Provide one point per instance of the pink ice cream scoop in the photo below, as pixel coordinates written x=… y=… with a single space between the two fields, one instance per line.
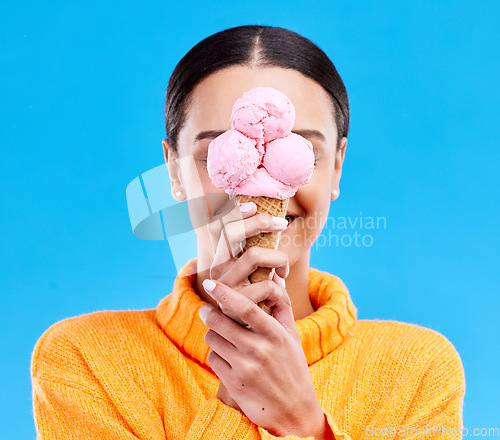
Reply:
x=229 y=166
x=260 y=156
x=263 y=113
x=290 y=159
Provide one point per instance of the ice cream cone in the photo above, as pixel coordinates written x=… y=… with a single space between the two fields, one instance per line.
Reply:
x=268 y=240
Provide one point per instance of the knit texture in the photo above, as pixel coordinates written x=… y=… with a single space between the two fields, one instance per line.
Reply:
x=143 y=374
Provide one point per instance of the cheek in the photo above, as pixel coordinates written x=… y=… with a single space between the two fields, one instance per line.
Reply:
x=195 y=178
x=192 y=177
x=316 y=210
x=216 y=198
x=315 y=200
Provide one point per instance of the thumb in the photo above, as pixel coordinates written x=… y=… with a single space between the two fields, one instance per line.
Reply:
x=282 y=310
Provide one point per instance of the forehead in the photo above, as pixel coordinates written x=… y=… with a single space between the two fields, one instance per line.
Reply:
x=211 y=101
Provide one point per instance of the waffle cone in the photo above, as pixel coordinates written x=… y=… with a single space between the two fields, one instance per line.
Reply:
x=268 y=240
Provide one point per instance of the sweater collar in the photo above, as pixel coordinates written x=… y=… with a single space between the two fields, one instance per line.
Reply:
x=320 y=333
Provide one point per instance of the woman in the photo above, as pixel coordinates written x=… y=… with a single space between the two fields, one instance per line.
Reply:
x=208 y=363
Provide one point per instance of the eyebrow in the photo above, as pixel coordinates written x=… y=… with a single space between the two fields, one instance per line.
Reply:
x=212 y=134
x=311 y=134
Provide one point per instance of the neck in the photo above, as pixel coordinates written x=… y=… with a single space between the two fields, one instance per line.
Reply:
x=297 y=286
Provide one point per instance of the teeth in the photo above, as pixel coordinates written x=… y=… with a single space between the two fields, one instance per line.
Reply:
x=290 y=219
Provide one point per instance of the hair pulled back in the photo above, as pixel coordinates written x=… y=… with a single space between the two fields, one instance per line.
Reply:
x=256 y=46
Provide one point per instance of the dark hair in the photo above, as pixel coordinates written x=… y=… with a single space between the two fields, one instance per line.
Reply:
x=257 y=46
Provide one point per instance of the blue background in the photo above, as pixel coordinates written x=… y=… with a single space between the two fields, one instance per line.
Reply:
x=83 y=85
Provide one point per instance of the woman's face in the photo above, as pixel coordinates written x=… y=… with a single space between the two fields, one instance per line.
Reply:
x=208 y=115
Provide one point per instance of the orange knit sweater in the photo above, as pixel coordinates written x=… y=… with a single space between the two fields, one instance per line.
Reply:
x=142 y=374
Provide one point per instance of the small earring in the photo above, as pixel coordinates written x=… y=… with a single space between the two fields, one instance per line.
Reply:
x=178 y=193
x=335 y=193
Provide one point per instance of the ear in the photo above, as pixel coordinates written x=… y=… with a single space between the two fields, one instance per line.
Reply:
x=337 y=172
x=174 y=171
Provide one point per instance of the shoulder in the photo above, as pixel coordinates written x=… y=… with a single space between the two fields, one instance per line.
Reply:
x=74 y=340
x=409 y=360
x=408 y=343
x=97 y=322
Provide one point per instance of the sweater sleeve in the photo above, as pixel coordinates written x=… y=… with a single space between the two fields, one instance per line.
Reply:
x=70 y=402
x=436 y=409
x=335 y=432
x=217 y=421
x=64 y=411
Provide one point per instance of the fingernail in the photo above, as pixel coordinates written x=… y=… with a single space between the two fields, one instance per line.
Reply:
x=247 y=206
x=209 y=285
x=203 y=313
x=280 y=221
x=280 y=281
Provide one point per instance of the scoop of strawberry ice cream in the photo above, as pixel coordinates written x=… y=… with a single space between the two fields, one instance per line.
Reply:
x=261 y=183
x=263 y=113
x=232 y=157
x=290 y=159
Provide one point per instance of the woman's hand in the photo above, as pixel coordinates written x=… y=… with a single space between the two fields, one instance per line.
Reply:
x=262 y=364
x=233 y=267
x=227 y=234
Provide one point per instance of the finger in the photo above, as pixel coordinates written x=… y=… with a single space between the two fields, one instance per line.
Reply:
x=253 y=258
x=238 y=212
x=216 y=220
x=223 y=255
x=241 y=307
x=221 y=346
x=238 y=231
x=233 y=235
x=282 y=310
x=219 y=366
x=267 y=290
x=225 y=326
x=224 y=247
